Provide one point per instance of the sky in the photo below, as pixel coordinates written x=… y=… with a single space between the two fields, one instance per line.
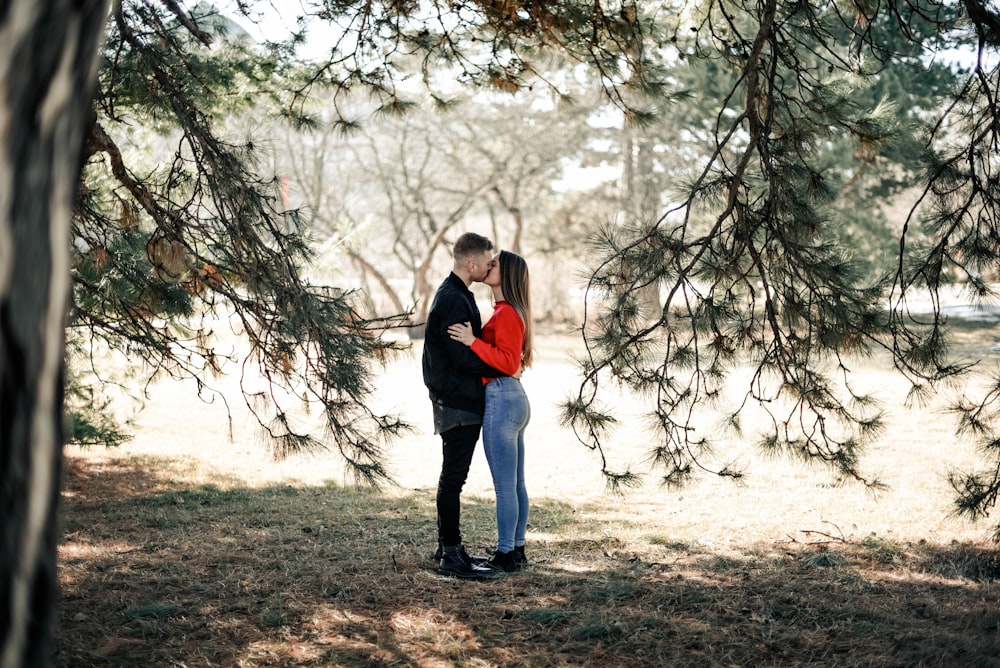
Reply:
x=274 y=20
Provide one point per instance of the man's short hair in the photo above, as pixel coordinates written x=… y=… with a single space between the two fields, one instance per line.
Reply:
x=470 y=245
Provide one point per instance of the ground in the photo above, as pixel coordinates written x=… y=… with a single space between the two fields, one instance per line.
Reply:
x=190 y=546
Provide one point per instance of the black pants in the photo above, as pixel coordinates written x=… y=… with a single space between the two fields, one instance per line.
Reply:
x=458 y=445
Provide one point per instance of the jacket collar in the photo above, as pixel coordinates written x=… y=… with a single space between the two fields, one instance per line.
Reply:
x=458 y=282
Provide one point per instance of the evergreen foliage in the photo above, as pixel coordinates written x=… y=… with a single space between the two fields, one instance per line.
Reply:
x=167 y=247
x=752 y=263
x=193 y=239
x=810 y=115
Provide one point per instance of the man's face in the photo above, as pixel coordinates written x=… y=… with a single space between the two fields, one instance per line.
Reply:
x=481 y=266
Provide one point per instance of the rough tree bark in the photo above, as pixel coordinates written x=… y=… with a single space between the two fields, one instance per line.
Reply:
x=48 y=65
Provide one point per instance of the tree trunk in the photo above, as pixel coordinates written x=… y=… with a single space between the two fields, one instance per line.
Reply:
x=48 y=66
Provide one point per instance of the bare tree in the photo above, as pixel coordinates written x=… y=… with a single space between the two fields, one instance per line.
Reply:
x=391 y=193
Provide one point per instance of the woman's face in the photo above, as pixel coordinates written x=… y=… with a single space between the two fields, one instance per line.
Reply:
x=493 y=277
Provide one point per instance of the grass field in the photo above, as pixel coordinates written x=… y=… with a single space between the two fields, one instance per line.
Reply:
x=190 y=547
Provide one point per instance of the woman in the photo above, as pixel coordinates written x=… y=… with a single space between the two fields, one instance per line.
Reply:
x=506 y=346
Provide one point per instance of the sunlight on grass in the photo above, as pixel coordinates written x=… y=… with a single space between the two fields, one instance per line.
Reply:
x=570 y=567
x=434 y=632
x=881 y=550
x=274 y=576
x=246 y=561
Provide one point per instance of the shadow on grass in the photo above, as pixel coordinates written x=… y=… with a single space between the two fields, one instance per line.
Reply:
x=159 y=574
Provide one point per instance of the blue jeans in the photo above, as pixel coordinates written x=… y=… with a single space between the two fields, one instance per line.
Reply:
x=507 y=414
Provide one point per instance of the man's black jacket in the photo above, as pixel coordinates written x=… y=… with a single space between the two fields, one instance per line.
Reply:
x=452 y=372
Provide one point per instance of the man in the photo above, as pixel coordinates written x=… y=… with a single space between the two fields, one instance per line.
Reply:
x=453 y=376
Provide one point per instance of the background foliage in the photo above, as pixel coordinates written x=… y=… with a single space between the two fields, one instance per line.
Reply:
x=778 y=185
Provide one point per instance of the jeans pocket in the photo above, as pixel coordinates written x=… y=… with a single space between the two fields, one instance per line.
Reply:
x=517 y=409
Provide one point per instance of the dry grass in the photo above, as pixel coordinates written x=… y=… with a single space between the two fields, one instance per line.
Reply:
x=188 y=547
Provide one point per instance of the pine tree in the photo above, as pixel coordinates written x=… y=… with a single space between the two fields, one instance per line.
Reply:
x=177 y=234
x=176 y=227
x=752 y=262
x=756 y=262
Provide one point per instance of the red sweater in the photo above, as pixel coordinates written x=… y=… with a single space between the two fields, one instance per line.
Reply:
x=502 y=342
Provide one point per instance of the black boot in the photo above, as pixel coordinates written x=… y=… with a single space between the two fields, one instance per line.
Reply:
x=504 y=561
x=519 y=557
x=456 y=563
x=469 y=558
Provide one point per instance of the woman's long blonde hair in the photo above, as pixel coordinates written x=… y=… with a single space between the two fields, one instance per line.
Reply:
x=516 y=287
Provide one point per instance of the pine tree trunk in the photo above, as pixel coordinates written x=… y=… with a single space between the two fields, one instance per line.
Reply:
x=48 y=65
